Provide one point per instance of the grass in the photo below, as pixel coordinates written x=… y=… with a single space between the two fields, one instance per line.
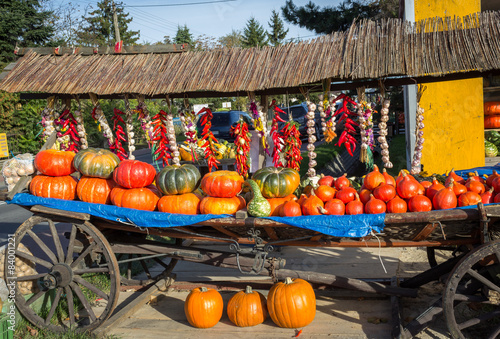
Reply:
x=325 y=153
x=397 y=153
x=25 y=330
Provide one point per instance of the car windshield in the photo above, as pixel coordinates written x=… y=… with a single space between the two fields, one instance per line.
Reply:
x=220 y=119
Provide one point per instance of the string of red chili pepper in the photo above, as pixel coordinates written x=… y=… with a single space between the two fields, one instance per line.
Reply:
x=277 y=136
x=242 y=143
x=68 y=128
x=117 y=146
x=208 y=146
x=291 y=136
x=160 y=138
x=346 y=137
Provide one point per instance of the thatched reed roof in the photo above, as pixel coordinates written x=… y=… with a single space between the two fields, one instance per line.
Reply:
x=390 y=49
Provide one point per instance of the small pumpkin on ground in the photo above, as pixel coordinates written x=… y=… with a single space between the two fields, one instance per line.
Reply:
x=277 y=182
x=203 y=307
x=214 y=205
x=54 y=163
x=222 y=184
x=62 y=187
x=187 y=203
x=292 y=303
x=247 y=308
x=134 y=174
x=258 y=206
x=96 y=162
x=178 y=179
x=95 y=190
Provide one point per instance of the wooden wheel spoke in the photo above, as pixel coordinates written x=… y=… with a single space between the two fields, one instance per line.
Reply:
x=145 y=268
x=57 y=241
x=31 y=277
x=42 y=246
x=479 y=319
x=71 y=305
x=159 y=261
x=470 y=298
x=31 y=258
x=71 y=244
x=83 y=255
x=91 y=270
x=129 y=268
x=35 y=297
x=484 y=280
x=91 y=287
x=85 y=302
x=55 y=302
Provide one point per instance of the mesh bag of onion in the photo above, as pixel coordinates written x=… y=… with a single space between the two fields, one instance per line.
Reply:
x=13 y=169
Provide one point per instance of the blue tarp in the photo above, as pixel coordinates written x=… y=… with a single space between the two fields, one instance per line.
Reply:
x=486 y=170
x=338 y=226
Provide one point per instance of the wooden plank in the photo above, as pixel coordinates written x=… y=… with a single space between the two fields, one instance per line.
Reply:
x=271 y=233
x=425 y=231
x=226 y=232
x=60 y=213
x=20 y=186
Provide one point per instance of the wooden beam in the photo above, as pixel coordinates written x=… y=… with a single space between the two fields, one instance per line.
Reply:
x=136 y=49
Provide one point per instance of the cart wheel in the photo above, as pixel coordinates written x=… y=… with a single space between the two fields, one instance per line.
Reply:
x=72 y=282
x=471 y=299
x=131 y=266
x=437 y=255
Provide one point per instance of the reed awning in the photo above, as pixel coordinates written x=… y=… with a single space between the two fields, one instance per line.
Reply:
x=394 y=51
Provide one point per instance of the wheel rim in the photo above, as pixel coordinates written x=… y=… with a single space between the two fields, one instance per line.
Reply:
x=471 y=299
x=75 y=285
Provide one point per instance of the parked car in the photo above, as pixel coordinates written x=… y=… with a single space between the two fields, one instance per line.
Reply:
x=222 y=122
x=299 y=115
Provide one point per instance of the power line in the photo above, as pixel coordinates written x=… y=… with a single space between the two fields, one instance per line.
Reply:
x=182 y=4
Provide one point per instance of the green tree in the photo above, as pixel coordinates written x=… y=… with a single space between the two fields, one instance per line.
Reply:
x=23 y=22
x=277 y=31
x=183 y=36
x=231 y=40
x=98 y=28
x=254 y=35
x=329 y=19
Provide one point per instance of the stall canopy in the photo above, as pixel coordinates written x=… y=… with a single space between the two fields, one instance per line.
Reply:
x=395 y=51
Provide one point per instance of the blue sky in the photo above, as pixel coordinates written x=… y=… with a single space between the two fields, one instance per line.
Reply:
x=215 y=19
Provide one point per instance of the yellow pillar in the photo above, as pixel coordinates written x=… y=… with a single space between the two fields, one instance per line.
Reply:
x=454 y=122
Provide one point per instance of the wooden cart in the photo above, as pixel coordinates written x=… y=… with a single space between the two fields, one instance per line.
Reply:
x=72 y=252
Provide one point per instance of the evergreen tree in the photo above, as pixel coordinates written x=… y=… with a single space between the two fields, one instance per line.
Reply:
x=254 y=34
x=329 y=19
x=98 y=28
x=23 y=22
x=183 y=36
x=277 y=32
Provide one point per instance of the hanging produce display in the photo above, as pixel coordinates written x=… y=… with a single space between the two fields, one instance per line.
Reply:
x=117 y=147
x=188 y=123
x=291 y=149
x=311 y=130
x=384 y=118
x=277 y=136
x=346 y=137
x=161 y=148
x=48 y=118
x=419 y=133
x=100 y=119
x=145 y=119
x=365 y=120
x=208 y=138
x=67 y=134
x=80 y=128
x=242 y=142
x=130 y=129
x=327 y=114
x=260 y=123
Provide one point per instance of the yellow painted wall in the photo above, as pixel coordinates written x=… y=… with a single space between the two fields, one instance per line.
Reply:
x=454 y=121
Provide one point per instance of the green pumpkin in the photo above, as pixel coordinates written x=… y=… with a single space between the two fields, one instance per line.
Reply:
x=96 y=162
x=277 y=182
x=258 y=206
x=178 y=179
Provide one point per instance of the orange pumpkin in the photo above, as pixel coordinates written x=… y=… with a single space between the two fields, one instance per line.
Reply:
x=346 y=194
x=203 y=307
x=384 y=192
x=455 y=177
x=342 y=182
x=302 y=198
x=222 y=184
x=389 y=179
x=312 y=205
x=277 y=203
x=54 y=162
x=325 y=192
x=214 y=205
x=326 y=180
x=426 y=184
x=95 y=190
x=373 y=179
x=445 y=198
x=419 y=203
x=292 y=304
x=491 y=177
x=458 y=188
x=291 y=209
x=474 y=185
x=354 y=207
x=469 y=198
x=491 y=107
x=492 y=121
x=433 y=189
x=397 y=205
x=247 y=308
x=134 y=174
x=408 y=187
x=375 y=206
x=364 y=195
x=488 y=196
x=143 y=198
x=187 y=203
x=334 y=207
x=62 y=187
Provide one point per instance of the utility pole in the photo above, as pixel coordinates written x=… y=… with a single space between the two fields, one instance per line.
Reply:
x=115 y=22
